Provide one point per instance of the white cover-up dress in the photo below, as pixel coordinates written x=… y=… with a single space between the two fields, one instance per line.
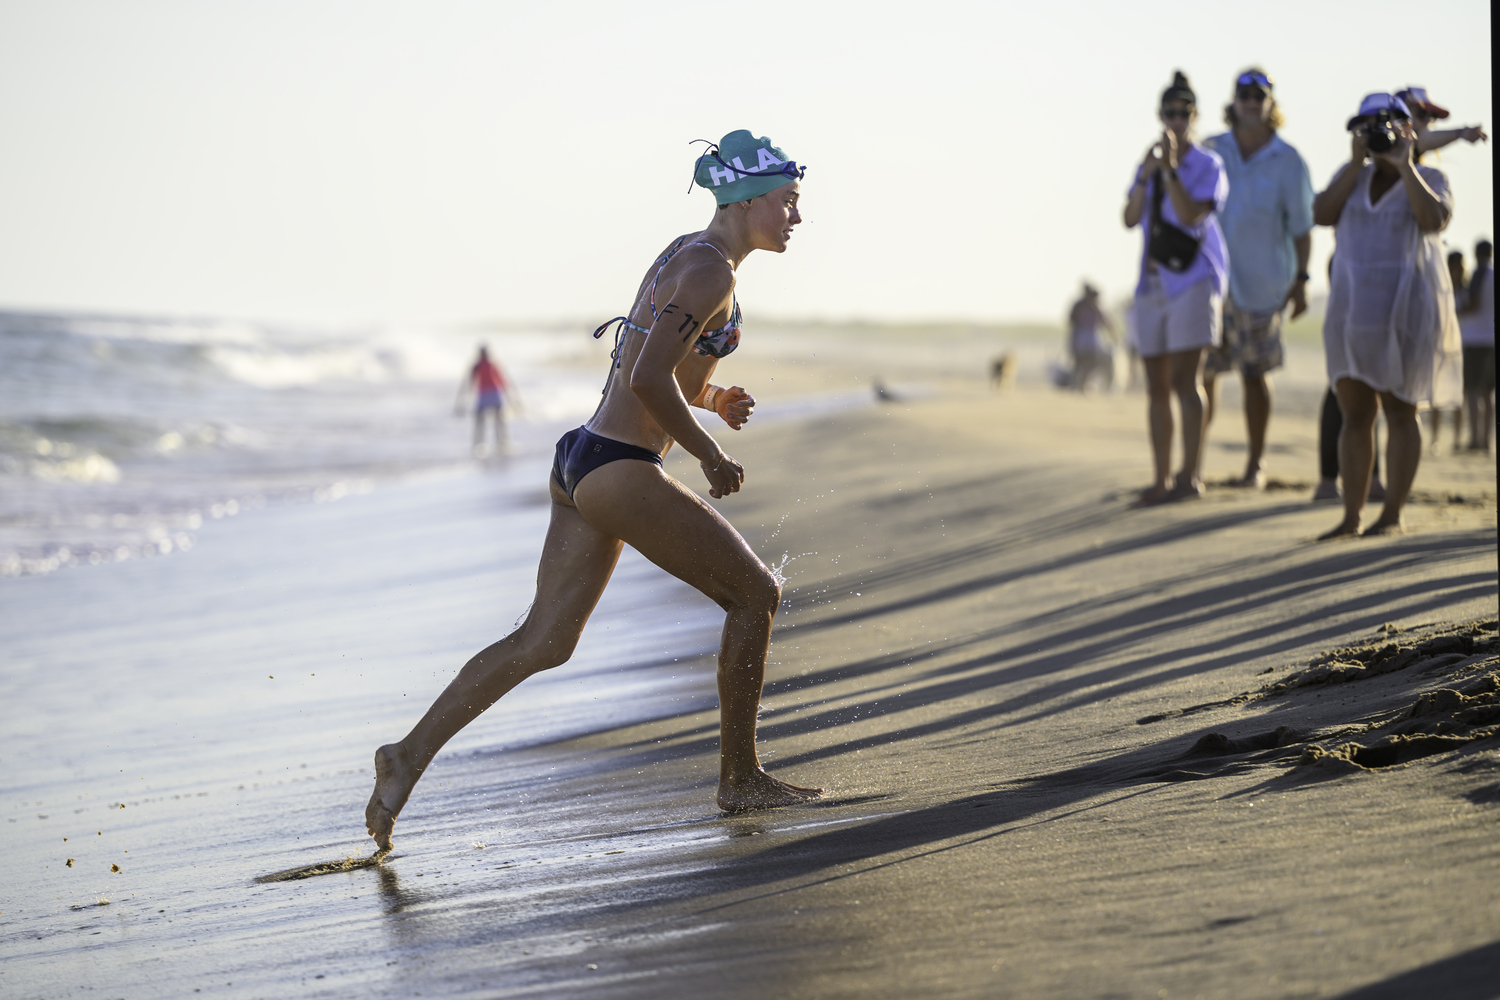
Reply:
x=1390 y=321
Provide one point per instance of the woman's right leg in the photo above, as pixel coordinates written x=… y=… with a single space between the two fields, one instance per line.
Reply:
x=674 y=528
x=1358 y=404
x=1159 y=421
x=577 y=560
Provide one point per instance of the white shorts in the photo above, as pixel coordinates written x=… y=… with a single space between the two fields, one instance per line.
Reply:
x=1190 y=321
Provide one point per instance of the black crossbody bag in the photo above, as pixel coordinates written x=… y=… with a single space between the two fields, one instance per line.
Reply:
x=1172 y=248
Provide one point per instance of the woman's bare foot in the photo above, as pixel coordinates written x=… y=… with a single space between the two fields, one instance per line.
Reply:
x=1344 y=530
x=1185 y=489
x=1152 y=496
x=1384 y=527
x=395 y=777
x=758 y=790
x=1327 y=490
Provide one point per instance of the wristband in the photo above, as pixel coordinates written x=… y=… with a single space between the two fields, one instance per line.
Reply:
x=709 y=395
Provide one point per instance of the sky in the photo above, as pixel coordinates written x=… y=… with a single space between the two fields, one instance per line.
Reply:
x=436 y=161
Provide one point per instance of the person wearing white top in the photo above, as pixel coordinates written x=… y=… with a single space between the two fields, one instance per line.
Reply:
x=1476 y=323
x=1390 y=335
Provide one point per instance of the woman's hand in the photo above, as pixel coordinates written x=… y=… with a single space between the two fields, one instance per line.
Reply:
x=734 y=405
x=1151 y=165
x=1359 y=152
x=1400 y=154
x=724 y=476
x=1169 y=149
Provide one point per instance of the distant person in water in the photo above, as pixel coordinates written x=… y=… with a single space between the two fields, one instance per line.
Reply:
x=1268 y=225
x=609 y=489
x=1390 y=334
x=1091 y=334
x=487 y=382
x=1175 y=198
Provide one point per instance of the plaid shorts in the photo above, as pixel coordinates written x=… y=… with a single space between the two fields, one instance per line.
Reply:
x=1251 y=342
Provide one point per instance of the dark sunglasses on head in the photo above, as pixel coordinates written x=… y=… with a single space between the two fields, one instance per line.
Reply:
x=1171 y=114
x=1250 y=94
x=1254 y=77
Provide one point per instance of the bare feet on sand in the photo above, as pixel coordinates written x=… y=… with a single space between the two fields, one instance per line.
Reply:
x=759 y=790
x=395 y=777
x=1186 y=489
x=1253 y=479
x=1384 y=527
x=1152 y=495
x=1344 y=530
x=1328 y=489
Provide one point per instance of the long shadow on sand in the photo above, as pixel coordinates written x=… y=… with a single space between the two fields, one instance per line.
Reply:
x=975 y=665
x=1469 y=975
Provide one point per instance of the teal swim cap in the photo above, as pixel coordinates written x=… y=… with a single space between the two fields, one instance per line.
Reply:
x=742 y=167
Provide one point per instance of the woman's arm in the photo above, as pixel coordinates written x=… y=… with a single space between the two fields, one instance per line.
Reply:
x=1431 y=213
x=1328 y=204
x=698 y=293
x=1189 y=211
x=1438 y=138
x=1135 y=202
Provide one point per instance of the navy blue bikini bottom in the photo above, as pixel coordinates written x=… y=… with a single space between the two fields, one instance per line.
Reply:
x=581 y=451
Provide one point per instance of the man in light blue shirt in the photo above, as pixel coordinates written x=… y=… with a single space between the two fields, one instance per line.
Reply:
x=1267 y=225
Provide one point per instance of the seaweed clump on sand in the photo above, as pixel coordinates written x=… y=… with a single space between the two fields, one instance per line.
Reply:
x=1462 y=660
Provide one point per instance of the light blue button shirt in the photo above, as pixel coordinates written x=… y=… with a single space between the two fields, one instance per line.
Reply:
x=1269 y=207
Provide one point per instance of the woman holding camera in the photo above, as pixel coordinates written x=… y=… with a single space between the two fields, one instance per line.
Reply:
x=1390 y=334
x=1178 y=191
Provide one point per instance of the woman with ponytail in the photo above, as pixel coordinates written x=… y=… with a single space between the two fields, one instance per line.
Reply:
x=1175 y=197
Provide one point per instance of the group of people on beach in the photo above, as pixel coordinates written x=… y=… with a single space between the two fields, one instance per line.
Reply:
x=1227 y=243
x=1227 y=239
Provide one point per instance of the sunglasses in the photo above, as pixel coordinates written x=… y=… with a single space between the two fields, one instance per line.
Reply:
x=1253 y=78
x=1249 y=94
x=1175 y=114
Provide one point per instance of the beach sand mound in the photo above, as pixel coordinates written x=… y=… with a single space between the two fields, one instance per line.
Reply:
x=1440 y=694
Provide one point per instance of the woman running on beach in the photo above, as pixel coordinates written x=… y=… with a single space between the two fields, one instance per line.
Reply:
x=1177 y=193
x=609 y=489
x=1390 y=332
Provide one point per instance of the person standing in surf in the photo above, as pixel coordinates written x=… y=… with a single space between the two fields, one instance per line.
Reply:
x=487 y=382
x=608 y=489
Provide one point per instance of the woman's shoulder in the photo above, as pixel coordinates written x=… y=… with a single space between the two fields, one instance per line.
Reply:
x=1204 y=157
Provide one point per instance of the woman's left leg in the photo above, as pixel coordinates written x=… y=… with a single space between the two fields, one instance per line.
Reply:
x=1187 y=384
x=1403 y=452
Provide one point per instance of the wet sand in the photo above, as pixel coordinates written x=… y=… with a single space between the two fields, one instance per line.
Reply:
x=1071 y=749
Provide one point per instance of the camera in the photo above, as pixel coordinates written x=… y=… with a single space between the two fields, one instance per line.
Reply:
x=1379 y=131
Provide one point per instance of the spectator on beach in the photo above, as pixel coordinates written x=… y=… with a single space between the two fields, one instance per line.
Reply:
x=1267 y=224
x=490 y=388
x=1424 y=112
x=1330 y=424
x=1459 y=279
x=609 y=489
x=1175 y=196
x=1390 y=335
x=1476 y=323
x=1091 y=352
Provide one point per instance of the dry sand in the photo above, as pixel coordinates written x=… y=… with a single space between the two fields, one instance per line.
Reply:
x=1071 y=749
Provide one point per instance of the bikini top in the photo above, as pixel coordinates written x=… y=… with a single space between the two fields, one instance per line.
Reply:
x=718 y=343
